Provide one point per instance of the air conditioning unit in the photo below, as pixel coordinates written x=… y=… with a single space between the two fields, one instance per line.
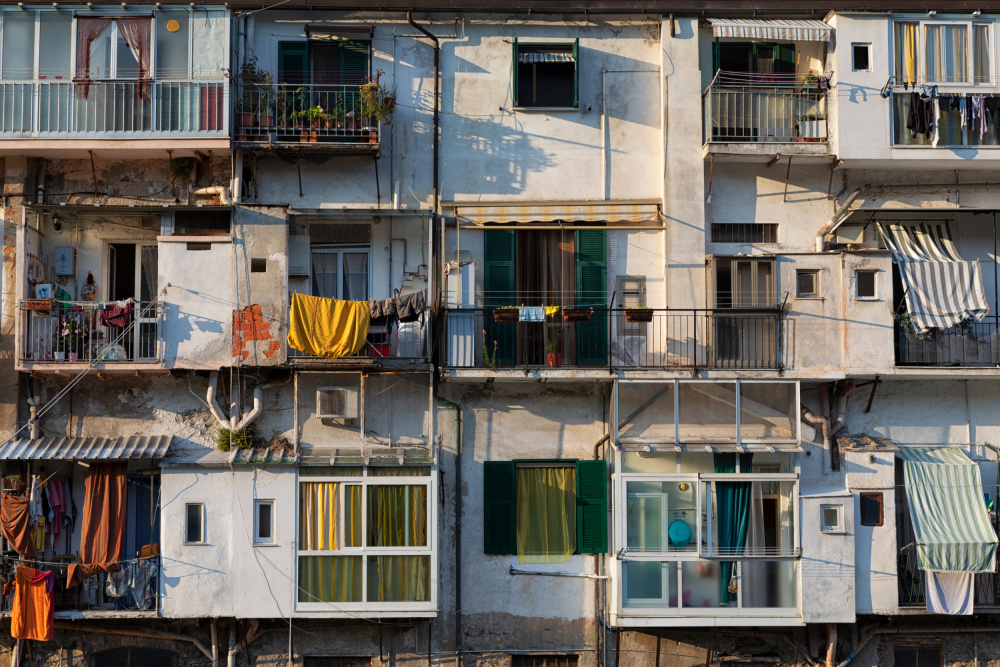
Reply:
x=337 y=402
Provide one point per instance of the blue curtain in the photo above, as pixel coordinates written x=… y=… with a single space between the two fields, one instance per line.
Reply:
x=734 y=515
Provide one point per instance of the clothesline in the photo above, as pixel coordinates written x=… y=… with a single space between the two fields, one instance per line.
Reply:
x=23 y=560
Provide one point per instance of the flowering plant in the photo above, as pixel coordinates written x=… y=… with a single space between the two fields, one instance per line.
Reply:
x=70 y=335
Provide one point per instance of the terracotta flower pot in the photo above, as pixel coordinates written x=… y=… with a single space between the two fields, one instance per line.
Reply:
x=554 y=359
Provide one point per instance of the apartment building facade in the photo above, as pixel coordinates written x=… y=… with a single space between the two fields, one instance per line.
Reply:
x=707 y=296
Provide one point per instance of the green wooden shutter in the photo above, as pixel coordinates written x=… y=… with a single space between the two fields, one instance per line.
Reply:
x=499 y=285
x=354 y=63
x=591 y=507
x=514 y=75
x=498 y=507
x=784 y=58
x=293 y=62
x=576 y=72
x=592 y=291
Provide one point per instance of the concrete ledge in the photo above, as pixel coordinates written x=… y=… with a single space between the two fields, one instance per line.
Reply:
x=765 y=150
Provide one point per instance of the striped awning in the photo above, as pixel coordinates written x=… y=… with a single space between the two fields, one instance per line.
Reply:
x=610 y=213
x=941 y=289
x=950 y=521
x=797 y=30
x=87 y=449
x=541 y=57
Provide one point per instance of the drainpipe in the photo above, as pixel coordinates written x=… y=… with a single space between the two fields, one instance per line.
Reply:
x=217 y=191
x=33 y=404
x=234 y=648
x=215 y=643
x=831 y=645
x=257 y=396
x=820 y=421
x=437 y=104
x=841 y=419
x=835 y=220
x=213 y=380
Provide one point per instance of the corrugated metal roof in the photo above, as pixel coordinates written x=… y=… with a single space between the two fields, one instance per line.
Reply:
x=88 y=449
x=787 y=29
x=263 y=455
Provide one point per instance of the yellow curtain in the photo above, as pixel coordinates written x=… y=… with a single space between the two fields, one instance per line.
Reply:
x=330 y=578
x=398 y=472
x=546 y=514
x=319 y=514
x=327 y=327
x=906 y=52
x=398 y=578
x=397 y=516
x=352 y=515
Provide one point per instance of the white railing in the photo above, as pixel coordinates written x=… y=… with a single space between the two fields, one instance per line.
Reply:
x=114 y=108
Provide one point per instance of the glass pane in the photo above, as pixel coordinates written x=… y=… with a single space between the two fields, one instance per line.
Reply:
x=649 y=584
x=330 y=471
x=831 y=518
x=708 y=411
x=766 y=410
x=57 y=37
x=772 y=584
x=981 y=53
x=701 y=583
x=945 y=53
x=646 y=515
x=264 y=521
x=172 y=47
x=399 y=578
x=397 y=516
x=209 y=39
x=194 y=523
x=149 y=255
x=352 y=515
x=324 y=274
x=546 y=514
x=399 y=472
x=319 y=516
x=661 y=516
x=355 y=276
x=905 y=54
x=330 y=578
x=646 y=410
x=18 y=45
x=765 y=285
x=100 y=55
x=128 y=63
x=649 y=462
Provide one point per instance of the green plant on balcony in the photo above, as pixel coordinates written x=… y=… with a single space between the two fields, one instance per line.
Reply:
x=311 y=116
x=377 y=101
x=491 y=359
x=183 y=167
x=244 y=438
x=255 y=94
x=906 y=325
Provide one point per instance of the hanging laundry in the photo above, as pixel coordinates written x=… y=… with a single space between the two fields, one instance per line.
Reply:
x=38 y=535
x=35 y=498
x=410 y=307
x=920 y=119
x=103 y=529
x=142 y=575
x=936 y=134
x=15 y=523
x=382 y=308
x=57 y=504
x=532 y=314
x=992 y=104
x=949 y=592
x=978 y=114
x=327 y=327
x=119 y=581
x=551 y=311
x=33 y=611
x=117 y=315
x=963 y=111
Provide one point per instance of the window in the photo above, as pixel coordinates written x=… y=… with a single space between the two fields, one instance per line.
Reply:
x=366 y=535
x=744 y=232
x=861 y=57
x=546 y=75
x=202 y=222
x=946 y=53
x=871 y=509
x=807 y=283
x=905 y=52
x=543 y=511
x=633 y=295
x=340 y=62
x=865 y=284
x=941 y=53
x=831 y=518
x=340 y=273
x=336 y=661
x=745 y=283
x=194 y=524
x=263 y=522
x=918 y=656
x=544 y=661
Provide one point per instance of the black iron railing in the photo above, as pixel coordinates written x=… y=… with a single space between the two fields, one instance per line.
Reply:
x=966 y=344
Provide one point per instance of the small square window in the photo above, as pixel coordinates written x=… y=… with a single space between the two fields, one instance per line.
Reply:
x=263 y=522
x=861 y=57
x=865 y=285
x=546 y=75
x=258 y=265
x=807 y=283
x=831 y=518
x=871 y=509
x=918 y=656
x=194 y=523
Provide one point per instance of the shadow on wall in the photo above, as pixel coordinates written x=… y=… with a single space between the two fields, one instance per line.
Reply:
x=185 y=327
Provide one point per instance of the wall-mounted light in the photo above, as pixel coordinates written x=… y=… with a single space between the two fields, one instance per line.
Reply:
x=90 y=5
x=976 y=14
x=932 y=12
x=21 y=5
x=55 y=5
x=124 y=5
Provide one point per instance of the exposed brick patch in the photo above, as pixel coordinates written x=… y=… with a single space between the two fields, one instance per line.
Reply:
x=250 y=327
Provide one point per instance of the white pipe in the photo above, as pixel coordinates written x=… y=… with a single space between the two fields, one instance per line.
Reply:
x=213 y=379
x=841 y=419
x=831 y=645
x=559 y=573
x=257 y=396
x=215 y=643
x=234 y=648
x=214 y=190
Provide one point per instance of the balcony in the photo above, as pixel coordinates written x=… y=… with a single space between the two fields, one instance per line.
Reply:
x=405 y=346
x=747 y=112
x=619 y=339
x=324 y=118
x=114 y=110
x=52 y=334
x=971 y=344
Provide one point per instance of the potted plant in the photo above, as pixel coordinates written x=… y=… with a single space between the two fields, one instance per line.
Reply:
x=506 y=314
x=378 y=103
x=638 y=314
x=491 y=359
x=309 y=118
x=577 y=314
x=59 y=348
x=552 y=358
x=282 y=102
x=72 y=337
x=255 y=94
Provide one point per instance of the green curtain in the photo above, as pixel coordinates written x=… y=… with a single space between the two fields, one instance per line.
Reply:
x=546 y=514
x=399 y=578
x=330 y=578
x=352 y=515
x=397 y=516
x=733 y=500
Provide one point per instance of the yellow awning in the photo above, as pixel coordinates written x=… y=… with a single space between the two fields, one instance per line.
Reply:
x=589 y=212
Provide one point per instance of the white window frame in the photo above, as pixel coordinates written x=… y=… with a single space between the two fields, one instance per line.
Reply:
x=258 y=539
x=922 y=52
x=832 y=529
x=857 y=283
x=339 y=251
x=991 y=54
x=816 y=293
x=430 y=549
x=201 y=513
x=866 y=46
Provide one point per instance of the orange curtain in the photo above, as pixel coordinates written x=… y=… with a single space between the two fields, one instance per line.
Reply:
x=33 y=611
x=102 y=537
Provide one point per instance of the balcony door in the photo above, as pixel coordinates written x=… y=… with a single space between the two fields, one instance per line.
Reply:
x=340 y=272
x=745 y=339
x=132 y=274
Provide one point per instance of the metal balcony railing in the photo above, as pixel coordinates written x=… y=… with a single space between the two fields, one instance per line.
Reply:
x=109 y=109
x=53 y=332
x=404 y=342
x=767 y=108
x=286 y=113
x=965 y=345
x=494 y=338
